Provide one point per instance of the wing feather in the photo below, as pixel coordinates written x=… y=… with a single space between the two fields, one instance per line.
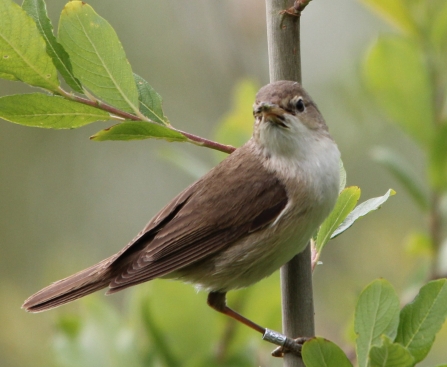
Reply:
x=236 y=198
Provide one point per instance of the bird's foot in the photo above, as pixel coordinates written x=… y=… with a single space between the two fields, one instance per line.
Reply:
x=286 y=344
x=291 y=346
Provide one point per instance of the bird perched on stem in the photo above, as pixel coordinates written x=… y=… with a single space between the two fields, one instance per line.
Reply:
x=237 y=224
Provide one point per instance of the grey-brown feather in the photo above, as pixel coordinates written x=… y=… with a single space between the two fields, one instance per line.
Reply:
x=196 y=224
x=241 y=221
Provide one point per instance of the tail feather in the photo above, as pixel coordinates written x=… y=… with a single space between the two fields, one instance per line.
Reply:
x=75 y=286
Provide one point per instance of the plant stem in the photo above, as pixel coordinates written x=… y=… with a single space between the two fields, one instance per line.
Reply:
x=194 y=139
x=435 y=228
x=197 y=140
x=283 y=33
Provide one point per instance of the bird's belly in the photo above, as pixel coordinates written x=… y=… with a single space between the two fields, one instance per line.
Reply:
x=248 y=260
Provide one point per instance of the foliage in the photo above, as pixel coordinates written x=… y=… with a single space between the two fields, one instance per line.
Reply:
x=406 y=74
x=90 y=59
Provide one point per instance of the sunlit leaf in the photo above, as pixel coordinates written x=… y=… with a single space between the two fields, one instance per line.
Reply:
x=137 y=130
x=8 y=77
x=37 y=10
x=419 y=244
x=97 y=56
x=397 y=76
x=69 y=324
x=156 y=335
x=236 y=126
x=22 y=49
x=346 y=201
x=438 y=27
x=403 y=173
x=396 y=12
x=150 y=101
x=319 y=352
x=390 y=354
x=421 y=319
x=97 y=337
x=51 y=112
x=361 y=210
x=376 y=314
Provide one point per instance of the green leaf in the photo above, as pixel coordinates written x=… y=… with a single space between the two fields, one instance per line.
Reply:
x=438 y=158
x=402 y=173
x=51 y=112
x=395 y=12
x=69 y=324
x=376 y=314
x=132 y=130
x=419 y=245
x=345 y=203
x=319 y=352
x=37 y=10
x=101 y=338
x=8 y=77
x=398 y=77
x=390 y=354
x=22 y=49
x=438 y=27
x=97 y=56
x=236 y=127
x=421 y=319
x=150 y=101
x=156 y=335
x=361 y=210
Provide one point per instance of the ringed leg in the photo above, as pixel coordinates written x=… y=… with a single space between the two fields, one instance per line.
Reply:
x=217 y=301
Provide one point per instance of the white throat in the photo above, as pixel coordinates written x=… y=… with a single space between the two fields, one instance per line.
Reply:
x=302 y=154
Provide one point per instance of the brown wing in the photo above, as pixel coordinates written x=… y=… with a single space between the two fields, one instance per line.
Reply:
x=241 y=197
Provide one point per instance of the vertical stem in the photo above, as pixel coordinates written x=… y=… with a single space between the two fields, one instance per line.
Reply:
x=297 y=301
x=435 y=230
x=283 y=35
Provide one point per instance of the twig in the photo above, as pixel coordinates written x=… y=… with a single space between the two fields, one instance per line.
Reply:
x=297 y=7
x=194 y=139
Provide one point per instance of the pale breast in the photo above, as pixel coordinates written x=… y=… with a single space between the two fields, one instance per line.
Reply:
x=312 y=189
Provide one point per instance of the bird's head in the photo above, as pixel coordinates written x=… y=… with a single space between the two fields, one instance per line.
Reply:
x=287 y=120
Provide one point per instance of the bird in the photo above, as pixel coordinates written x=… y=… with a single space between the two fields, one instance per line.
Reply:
x=237 y=224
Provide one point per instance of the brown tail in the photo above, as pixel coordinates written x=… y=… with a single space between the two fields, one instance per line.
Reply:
x=75 y=286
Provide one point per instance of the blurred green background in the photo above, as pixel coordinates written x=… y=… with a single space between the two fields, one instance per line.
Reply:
x=67 y=202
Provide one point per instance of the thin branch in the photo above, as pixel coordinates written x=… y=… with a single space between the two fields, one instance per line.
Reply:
x=194 y=139
x=197 y=140
x=283 y=34
x=435 y=230
x=297 y=8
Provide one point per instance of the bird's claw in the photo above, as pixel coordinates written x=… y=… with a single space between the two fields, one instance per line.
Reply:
x=290 y=346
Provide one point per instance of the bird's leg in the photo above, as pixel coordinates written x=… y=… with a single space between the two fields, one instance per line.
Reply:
x=217 y=301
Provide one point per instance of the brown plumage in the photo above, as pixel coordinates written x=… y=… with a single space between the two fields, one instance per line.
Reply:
x=178 y=235
x=237 y=224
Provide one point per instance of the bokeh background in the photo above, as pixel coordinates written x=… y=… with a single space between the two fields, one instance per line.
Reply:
x=67 y=202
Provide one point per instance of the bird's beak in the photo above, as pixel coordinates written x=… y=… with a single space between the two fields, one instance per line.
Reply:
x=270 y=113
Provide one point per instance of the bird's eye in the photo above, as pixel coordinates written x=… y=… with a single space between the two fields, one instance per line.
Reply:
x=299 y=105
